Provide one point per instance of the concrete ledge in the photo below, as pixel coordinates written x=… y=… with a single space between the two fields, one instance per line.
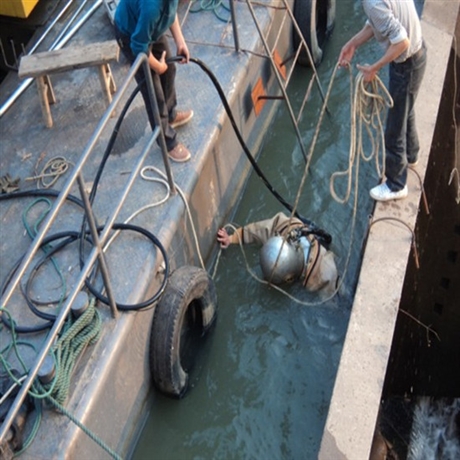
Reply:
x=357 y=392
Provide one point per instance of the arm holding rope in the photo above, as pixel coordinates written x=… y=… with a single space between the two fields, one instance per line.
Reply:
x=348 y=50
x=393 y=52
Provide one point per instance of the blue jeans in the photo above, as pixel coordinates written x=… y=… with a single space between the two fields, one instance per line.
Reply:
x=401 y=139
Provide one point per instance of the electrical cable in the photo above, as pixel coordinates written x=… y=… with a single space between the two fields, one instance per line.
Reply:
x=105 y=156
x=149 y=302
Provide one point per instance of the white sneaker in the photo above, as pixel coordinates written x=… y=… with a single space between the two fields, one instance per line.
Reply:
x=383 y=193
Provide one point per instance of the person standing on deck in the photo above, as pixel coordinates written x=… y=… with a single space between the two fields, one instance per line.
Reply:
x=396 y=25
x=140 y=26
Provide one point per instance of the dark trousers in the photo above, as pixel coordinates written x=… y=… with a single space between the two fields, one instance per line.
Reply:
x=163 y=85
x=401 y=139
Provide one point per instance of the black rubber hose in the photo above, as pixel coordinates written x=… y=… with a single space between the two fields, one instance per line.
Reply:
x=50 y=318
x=32 y=303
x=149 y=302
x=322 y=235
x=70 y=237
x=105 y=156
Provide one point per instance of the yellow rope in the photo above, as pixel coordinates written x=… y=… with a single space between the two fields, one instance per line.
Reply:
x=54 y=168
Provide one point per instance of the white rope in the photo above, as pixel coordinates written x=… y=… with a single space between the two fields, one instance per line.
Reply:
x=454 y=172
x=367 y=107
x=164 y=182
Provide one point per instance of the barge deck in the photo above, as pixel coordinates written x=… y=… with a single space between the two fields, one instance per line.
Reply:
x=116 y=367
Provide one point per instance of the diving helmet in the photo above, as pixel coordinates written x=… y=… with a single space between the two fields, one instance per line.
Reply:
x=281 y=261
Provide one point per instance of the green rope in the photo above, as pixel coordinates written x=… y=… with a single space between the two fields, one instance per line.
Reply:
x=32 y=232
x=212 y=5
x=34 y=431
x=75 y=336
x=13 y=345
x=84 y=429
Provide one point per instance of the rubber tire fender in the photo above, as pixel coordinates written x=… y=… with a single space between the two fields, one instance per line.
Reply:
x=190 y=290
x=316 y=20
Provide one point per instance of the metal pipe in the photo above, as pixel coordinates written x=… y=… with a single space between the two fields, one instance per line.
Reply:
x=156 y=116
x=97 y=244
x=26 y=83
x=235 y=26
x=69 y=23
x=47 y=31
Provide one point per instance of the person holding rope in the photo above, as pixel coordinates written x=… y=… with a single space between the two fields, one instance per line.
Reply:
x=140 y=26
x=396 y=25
x=291 y=250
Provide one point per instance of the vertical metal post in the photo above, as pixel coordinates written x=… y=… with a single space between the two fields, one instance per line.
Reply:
x=234 y=25
x=97 y=244
x=156 y=116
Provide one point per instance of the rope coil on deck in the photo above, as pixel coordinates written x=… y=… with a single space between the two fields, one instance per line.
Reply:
x=77 y=334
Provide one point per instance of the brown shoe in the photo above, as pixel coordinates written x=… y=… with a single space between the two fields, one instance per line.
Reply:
x=182 y=117
x=179 y=153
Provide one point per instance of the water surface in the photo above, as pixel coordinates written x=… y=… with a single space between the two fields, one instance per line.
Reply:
x=263 y=383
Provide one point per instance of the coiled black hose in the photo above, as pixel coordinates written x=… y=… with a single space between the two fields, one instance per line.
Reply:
x=82 y=236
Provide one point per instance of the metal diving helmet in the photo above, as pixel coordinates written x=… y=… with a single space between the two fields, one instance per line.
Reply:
x=281 y=262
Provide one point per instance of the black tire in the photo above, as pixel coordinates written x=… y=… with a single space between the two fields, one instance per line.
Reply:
x=316 y=19
x=189 y=301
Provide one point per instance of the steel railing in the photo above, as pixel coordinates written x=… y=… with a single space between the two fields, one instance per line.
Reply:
x=99 y=238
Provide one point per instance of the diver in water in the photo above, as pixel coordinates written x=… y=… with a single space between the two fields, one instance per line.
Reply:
x=292 y=250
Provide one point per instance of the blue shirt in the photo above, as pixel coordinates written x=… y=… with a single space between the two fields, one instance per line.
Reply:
x=144 y=21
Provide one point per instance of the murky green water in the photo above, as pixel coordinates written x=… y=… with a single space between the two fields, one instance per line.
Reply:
x=265 y=377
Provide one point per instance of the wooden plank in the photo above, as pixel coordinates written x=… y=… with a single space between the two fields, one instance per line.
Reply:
x=70 y=58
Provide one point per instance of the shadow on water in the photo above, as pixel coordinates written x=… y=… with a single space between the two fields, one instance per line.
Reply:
x=263 y=388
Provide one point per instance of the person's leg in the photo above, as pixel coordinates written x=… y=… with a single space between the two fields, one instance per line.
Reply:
x=176 y=151
x=169 y=133
x=396 y=127
x=165 y=92
x=412 y=141
x=167 y=79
